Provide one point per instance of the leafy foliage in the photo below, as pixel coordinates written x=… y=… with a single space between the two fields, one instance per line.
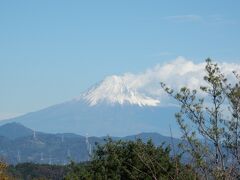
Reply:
x=37 y=171
x=209 y=122
x=131 y=160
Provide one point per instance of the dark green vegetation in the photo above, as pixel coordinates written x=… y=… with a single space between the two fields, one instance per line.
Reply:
x=27 y=171
x=131 y=160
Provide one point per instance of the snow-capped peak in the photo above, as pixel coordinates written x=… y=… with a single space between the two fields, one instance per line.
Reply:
x=114 y=90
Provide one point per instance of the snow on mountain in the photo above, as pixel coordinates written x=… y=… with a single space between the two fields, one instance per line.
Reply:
x=114 y=89
x=144 y=89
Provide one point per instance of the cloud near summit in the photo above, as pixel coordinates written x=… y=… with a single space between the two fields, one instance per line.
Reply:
x=176 y=74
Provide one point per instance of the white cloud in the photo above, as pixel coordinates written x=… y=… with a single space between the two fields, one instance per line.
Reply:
x=176 y=74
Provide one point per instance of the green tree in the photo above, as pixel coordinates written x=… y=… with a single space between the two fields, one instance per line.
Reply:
x=209 y=122
x=117 y=160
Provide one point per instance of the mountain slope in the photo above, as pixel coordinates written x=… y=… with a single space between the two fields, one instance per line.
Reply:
x=100 y=120
x=112 y=107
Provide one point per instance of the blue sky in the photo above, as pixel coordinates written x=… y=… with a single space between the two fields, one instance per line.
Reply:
x=51 y=51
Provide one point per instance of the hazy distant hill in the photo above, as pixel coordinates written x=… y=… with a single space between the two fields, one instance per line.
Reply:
x=14 y=130
x=54 y=148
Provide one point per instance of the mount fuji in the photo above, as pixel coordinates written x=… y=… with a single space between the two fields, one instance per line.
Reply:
x=111 y=107
x=125 y=104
